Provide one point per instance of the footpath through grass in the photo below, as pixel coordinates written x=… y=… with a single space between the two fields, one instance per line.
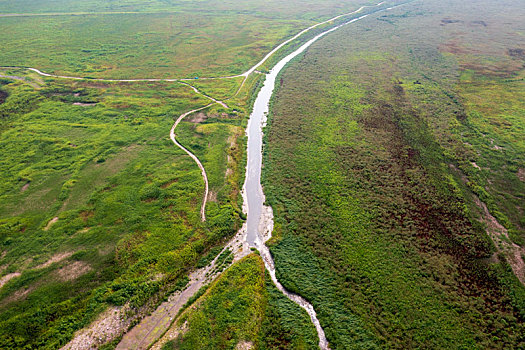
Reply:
x=98 y=207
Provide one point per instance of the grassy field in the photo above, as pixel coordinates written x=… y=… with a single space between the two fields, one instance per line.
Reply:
x=382 y=136
x=98 y=207
x=244 y=307
x=163 y=39
x=372 y=225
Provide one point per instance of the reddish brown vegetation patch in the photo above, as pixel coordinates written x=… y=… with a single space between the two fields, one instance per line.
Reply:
x=86 y=214
x=168 y=184
x=3 y=96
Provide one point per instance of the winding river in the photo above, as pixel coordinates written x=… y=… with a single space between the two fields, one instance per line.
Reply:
x=259 y=223
x=260 y=218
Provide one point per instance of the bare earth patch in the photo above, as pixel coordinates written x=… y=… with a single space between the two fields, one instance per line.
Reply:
x=513 y=252
x=172 y=334
x=244 y=345
x=55 y=258
x=212 y=196
x=73 y=271
x=198 y=118
x=50 y=223
x=84 y=104
x=521 y=174
x=20 y=294
x=8 y=277
x=105 y=328
x=25 y=187
x=108 y=326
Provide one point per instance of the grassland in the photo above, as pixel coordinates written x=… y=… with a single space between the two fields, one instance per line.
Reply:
x=163 y=39
x=382 y=136
x=372 y=225
x=98 y=208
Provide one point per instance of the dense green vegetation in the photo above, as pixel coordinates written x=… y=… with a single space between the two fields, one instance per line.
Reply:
x=382 y=138
x=98 y=207
x=372 y=225
x=243 y=306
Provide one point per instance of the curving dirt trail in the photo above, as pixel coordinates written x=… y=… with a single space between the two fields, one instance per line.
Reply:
x=194 y=157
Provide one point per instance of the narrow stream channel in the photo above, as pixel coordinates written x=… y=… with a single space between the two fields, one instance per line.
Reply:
x=260 y=217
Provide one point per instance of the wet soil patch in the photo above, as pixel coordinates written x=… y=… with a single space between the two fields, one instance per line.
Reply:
x=3 y=96
x=446 y=21
x=518 y=53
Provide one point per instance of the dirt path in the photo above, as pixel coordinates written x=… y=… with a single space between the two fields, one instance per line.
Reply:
x=9 y=276
x=49 y=75
x=14 y=77
x=153 y=327
x=194 y=157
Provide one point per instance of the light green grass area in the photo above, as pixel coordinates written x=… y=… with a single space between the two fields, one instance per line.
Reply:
x=177 y=40
x=97 y=156
x=220 y=89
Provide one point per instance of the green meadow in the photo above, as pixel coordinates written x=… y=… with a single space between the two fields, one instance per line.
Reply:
x=98 y=206
x=373 y=225
x=381 y=138
x=159 y=39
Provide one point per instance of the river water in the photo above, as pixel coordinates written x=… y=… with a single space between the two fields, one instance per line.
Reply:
x=252 y=185
x=260 y=218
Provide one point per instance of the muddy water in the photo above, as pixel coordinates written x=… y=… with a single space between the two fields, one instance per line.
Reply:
x=260 y=218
